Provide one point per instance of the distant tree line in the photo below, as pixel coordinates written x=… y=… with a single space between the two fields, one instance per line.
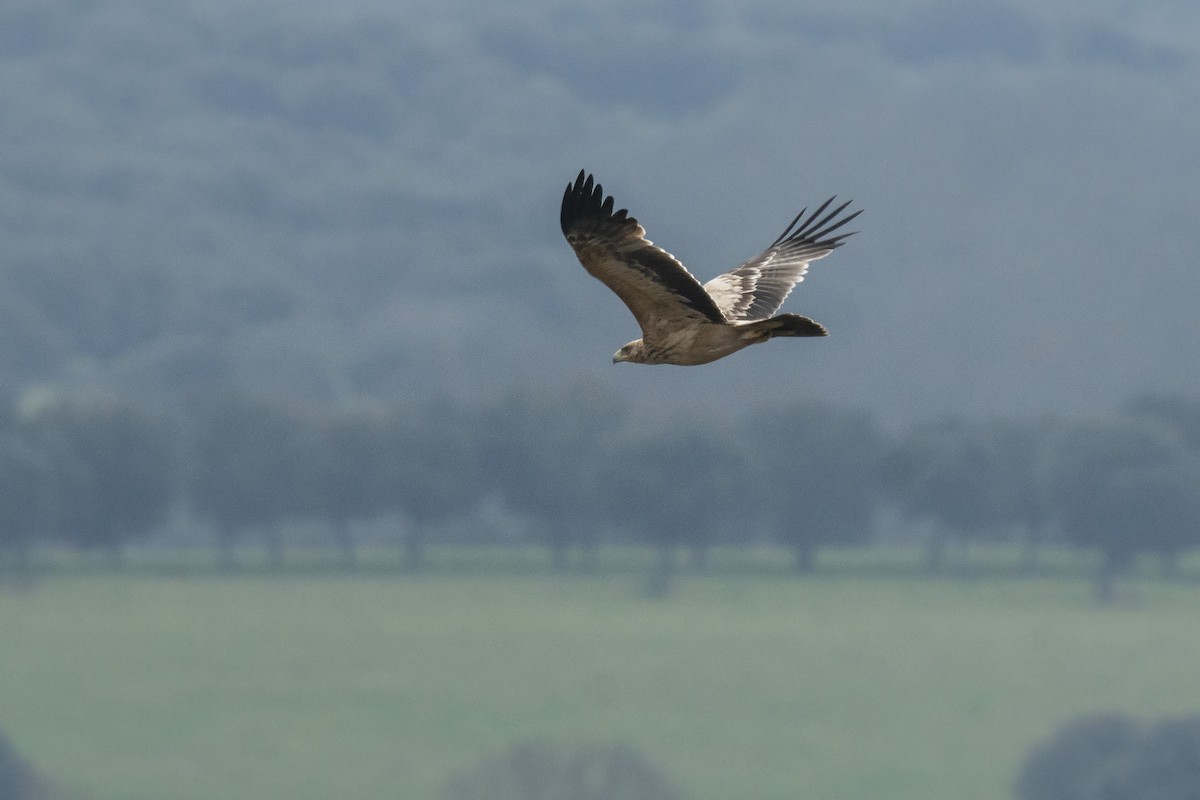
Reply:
x=531 y=770
x=577 y=471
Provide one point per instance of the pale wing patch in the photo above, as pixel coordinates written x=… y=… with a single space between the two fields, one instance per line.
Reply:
x=757 y=288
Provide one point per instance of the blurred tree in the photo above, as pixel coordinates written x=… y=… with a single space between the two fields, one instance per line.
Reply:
x=971 y=480
x=539 y=772
x=1112 y=757
x=340 y=471
x=1080 y=761
x=1164 y=762
x=543 y=454
x=428 y=468
x=17 y=779
x=1125 y=486
x=1180 y=413
x=940 y=472
x=817 y=473
x=674 y=487
x=1181 y=416
x=1019 y=459
x=113 y=464
x=243 y=467
x=26 y=499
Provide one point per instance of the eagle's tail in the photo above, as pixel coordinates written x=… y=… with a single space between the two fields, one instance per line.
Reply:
x=790 y=325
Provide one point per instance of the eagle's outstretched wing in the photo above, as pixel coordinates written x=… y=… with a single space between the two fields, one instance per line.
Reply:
x=613 y=247
x=756 y=289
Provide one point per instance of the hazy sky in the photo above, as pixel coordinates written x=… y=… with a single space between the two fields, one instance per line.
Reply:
x=363 y=196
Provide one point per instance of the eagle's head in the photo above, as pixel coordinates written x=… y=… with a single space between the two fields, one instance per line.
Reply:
x=634 y=351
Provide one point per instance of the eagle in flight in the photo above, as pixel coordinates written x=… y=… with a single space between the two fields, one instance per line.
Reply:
x=682 y=321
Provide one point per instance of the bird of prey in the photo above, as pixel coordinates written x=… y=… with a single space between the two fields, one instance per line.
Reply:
x=683 y=322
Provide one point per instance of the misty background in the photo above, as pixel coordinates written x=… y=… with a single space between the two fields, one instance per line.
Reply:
x=287 y=278
x=360 y=199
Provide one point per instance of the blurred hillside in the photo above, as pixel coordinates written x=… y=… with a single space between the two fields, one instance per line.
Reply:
x=361 y=200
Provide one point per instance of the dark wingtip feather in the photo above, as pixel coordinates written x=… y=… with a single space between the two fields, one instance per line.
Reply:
x=812 y=230
x=585 y=199
x=588 y=217
x=575 y=199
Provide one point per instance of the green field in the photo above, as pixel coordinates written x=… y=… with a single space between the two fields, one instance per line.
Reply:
x=745 y=683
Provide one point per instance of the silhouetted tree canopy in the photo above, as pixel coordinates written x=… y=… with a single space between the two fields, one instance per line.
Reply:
x=536 y=771
x=543 y=453
x=1124 y=486
x=244 y=468
x=575 y=469
x=341 y=462
x=26 y=501
x=18 y=781
x=113 y=468
x=1114 y=757
x=816 y=477
x=1182 y=414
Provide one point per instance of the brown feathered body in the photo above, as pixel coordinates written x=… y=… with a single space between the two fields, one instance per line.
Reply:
x=682 y=321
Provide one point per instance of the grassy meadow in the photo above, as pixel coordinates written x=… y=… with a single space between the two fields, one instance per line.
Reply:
x=863 y=682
